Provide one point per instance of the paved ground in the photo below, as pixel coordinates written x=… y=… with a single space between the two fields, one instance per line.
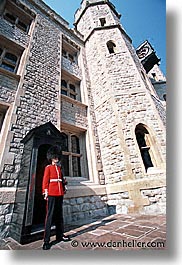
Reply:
x=117 y=232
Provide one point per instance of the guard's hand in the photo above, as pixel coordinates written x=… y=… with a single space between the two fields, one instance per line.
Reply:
x=65 y=189
x=65 y=182
x=45 y=195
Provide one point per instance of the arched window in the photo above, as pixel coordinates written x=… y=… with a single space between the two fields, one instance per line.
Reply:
x=64 y=142
x=111 y=47
x=11 y=58
x=8 y=60
x=72 y=91
x=64 y=90
x=141 y=135
x=75 y=149
x=75 y=146
x=63 y=83
x=71 y=155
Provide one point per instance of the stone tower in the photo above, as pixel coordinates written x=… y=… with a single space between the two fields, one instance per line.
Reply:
x=130 y=129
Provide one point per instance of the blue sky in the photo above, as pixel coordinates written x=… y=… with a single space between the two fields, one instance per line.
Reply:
x=142 y=20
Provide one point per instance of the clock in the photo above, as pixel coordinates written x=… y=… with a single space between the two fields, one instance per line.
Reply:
x=143 y=52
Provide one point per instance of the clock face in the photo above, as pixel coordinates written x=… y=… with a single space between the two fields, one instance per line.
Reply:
x=143 y=52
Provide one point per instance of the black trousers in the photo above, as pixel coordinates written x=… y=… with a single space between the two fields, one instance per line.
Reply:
x=54 y=208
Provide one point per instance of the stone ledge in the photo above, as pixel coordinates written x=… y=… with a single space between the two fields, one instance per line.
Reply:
x=10 y=74
x=86 y=190
x=91 y=189
x=136 y=184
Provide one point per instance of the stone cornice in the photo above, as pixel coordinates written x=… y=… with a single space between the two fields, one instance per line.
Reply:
x=109 y=27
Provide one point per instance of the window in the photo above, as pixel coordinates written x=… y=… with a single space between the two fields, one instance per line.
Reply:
x=8 y=60
x=71 y=155
x=164 y=97
x=72 y=91
x=71 y=58
x=102 y=22
x=111 y=47
x=18 y=15
x=70 y=50
x=64 y=90
x=64 y=142
x=154 y=75
x=64 y=53
x=75 y=144
x=68 y=89
x=142 y=139
x=3 y=110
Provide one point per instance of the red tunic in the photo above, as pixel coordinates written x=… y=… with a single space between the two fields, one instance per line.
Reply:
x=52 y=181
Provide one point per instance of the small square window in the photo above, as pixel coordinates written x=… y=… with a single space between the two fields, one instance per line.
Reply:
x=102 y=22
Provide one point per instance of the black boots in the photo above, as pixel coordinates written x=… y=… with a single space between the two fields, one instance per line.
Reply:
x=46 y=246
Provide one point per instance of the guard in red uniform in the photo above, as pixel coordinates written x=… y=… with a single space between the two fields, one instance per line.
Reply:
x=53 y=188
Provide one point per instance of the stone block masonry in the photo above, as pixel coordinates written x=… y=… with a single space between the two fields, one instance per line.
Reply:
x=40 y=90
x=84 y=208
x=36 y=102
x=157 y=200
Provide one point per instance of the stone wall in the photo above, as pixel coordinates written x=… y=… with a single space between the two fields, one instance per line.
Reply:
x=84 y=208
x=72 y=68
x=103 y=10
x=14 y=34
x=120 y=202
x=74 y=113
x=157 y=200
x=160 y=88
x=8 y=87
x=36 y=102
x=121 y=101
x=161 y=109
x=7 y=197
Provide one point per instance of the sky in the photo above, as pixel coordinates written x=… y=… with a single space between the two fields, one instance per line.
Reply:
x=141 y=19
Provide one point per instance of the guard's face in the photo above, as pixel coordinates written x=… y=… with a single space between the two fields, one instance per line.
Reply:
x=55 y=160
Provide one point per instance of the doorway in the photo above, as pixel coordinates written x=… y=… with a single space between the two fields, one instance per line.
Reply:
x=39 y=211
